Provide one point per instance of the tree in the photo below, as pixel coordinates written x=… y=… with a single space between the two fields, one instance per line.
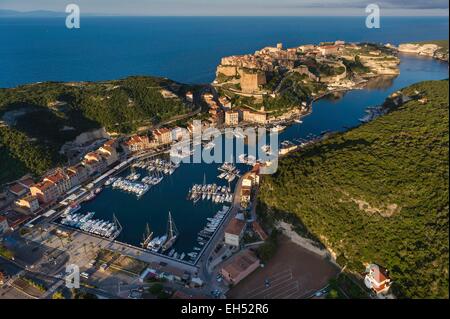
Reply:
x=156 y=288
x=58 y=295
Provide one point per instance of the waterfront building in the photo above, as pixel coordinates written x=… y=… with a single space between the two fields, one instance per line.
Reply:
x=377 y=279
x=254 y=117
x=94 y=163
x=60 y=179
x=137 y=143
x=45 y=191
x=240 y=266
x=177 y=133
x=18 y=189
x=234 y=232
x=109 y=153
x=163 y=136
x=246 y=193
x=29 y=204
x=231 y=118
x=248 y=180
x=3 y=224
x=77 y=174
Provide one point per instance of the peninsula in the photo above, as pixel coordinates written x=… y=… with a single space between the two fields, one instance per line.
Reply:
x=277 y=80
x=363 y=200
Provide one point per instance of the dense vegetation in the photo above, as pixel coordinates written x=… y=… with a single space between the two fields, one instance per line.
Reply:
x=293 y=90
x=378 y=193
x=120 y=105
x=19 y=155
x=39 y=118
x=5 y=252
x=355 y=67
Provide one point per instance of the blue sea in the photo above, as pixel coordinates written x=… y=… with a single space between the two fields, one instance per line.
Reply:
x=186 y=49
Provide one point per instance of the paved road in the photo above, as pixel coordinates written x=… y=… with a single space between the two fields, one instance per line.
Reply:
x=205 y=269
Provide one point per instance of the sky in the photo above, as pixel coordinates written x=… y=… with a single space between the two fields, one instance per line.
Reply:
x=235 y=7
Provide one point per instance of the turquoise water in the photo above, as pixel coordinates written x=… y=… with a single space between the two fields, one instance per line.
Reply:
x=184 y=49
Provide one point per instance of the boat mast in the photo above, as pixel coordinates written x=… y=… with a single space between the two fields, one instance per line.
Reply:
x=147 y=236
x=171 y=228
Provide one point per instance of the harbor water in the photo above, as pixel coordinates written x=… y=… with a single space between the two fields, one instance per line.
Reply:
x=328 y=114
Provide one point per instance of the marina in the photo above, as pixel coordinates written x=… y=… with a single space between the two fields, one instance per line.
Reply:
x=229 y=172
x=88 y=224
x=195 y=222
x=217 y=194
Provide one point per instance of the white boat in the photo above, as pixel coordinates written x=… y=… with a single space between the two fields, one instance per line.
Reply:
x=277 y=128
x=72 y=209
x=110 y=181
x=158 y=243
x=89 y=197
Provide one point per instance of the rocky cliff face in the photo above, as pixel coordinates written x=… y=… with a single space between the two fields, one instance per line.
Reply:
x=433 y=50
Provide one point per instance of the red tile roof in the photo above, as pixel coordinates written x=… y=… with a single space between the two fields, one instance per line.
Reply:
x=240 y=263
x=28 y=182
x=110 y=143
x=235 y=227
x=56 y=177
x=43 y=185
x=17 y=189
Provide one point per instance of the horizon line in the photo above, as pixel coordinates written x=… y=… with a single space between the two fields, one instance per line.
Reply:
x=42 y=13
x=105 y=15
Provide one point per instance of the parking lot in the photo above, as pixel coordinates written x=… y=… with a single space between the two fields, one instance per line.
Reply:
x=292 y=273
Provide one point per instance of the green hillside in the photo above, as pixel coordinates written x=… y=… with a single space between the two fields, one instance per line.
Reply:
x=44 y=116
x=377 y=193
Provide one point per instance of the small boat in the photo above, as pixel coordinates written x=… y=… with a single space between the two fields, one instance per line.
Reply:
x=89 y=197
x=72 y=209
x=277 y=128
